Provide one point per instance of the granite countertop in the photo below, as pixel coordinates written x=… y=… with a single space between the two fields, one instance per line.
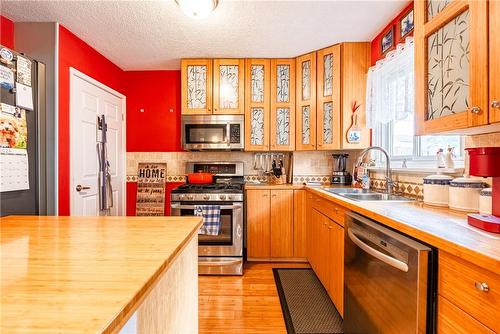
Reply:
x=82 y=274
x=442 y=228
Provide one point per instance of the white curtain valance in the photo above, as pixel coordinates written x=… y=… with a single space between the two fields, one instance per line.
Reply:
x=390 y=86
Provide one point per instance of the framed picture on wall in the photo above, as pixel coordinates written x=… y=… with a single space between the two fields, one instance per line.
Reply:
x=387 y=40
x=406 y=24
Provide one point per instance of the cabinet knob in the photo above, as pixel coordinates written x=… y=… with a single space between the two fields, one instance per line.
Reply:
x=264 y=195
x=273 y=195
x=319 y=144
x=80 y=188
x=209 y=109
x=215 y=109
x=330 y=227
x=475 y=110
x=495 y=104
x=482 y=286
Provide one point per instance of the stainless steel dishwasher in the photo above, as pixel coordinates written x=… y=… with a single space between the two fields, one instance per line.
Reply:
x=389 y=280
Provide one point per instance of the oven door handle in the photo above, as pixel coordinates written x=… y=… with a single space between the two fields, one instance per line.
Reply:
x=218 y=263
x=191 y=207
x=377 y=254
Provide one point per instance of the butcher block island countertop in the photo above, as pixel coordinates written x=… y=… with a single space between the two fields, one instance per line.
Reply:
x=84 y=274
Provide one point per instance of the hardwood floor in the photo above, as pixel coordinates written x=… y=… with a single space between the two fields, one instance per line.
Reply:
x=242 y=304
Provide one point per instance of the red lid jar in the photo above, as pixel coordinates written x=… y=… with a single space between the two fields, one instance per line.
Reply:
x=484 y=161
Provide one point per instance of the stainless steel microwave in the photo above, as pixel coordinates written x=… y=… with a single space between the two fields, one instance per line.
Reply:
x=212 y=132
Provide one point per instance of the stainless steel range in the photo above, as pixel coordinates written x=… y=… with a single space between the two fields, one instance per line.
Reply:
x=220 y=254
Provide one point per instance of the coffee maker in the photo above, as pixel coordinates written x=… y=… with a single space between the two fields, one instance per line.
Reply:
x=339 y=174
x=485 y=162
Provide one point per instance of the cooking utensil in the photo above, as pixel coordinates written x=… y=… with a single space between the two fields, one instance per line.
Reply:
x=200 y=178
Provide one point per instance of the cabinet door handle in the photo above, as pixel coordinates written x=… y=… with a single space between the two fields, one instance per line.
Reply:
x=475 y=110
x=495 y=104
x=273 y=195
x=264 y=195
x=482 y=286
x=80 y=188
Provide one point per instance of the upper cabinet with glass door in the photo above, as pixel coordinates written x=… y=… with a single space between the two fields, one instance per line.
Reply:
x=229 y=86
x=451 y=65
x=257 y=104
x=282 y=105
x=328 y=98
x=305 y=138
x=196 y=86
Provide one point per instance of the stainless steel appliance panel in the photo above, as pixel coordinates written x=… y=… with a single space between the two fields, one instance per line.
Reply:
x=212 y=132
x=386 y=280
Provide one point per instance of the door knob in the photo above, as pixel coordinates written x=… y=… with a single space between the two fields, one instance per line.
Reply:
x=475 y=110
x=80 y=188
x=495 y=104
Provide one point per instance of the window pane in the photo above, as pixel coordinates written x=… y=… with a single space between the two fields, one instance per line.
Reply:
x=429 y=145
x=402 y=137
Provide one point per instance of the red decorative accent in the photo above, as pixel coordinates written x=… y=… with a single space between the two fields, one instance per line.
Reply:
x=484 y=161
x=132 y=196
x=200 y=178
x=6 y=32
x=488 y=223
x=73 y=52
x=157 y=127
x=376 y=42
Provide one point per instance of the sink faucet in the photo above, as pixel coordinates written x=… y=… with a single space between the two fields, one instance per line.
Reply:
x=389 y=183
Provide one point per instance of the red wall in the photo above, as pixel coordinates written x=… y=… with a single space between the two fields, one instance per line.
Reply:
x=158 y=93
x=375 y=47
x=6 y=32
x=73 y=52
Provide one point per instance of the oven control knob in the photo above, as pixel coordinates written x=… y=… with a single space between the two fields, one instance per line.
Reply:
x=229 y=197
x=206 y=197
x=181 y=197
x=190 y=197
x=222 y=197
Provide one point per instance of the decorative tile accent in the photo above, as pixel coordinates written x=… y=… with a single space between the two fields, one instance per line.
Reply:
x=409 y=189
x=170 y=178
x=323 y=179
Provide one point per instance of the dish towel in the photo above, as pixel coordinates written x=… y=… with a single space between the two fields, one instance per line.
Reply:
x=211 y=218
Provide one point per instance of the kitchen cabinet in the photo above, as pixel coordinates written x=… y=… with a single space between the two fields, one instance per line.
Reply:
x=196 y=86
x=258 y=213
x=494 y=45
x=299 y=223
x=470 y=288
x=282 y=105
x=451 y=64
x=305 y=137
x=452 y=320
x=276 y=224
x=325 y=247
x=328 y=98
x=229 y=86
x=257 y=104
x=355 y=61
x=212 y=86
x=281 y=223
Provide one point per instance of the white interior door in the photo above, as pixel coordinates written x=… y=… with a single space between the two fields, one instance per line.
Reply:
x=89 y=99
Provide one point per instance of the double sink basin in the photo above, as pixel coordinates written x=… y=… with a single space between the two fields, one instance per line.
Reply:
x=366 y=195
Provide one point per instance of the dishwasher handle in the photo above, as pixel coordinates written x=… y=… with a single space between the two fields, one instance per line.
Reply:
x=377 y=254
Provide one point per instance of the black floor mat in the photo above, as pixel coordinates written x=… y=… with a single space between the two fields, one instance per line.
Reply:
x=306 y=306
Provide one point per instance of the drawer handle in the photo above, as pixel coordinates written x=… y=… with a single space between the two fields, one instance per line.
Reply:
x=483 y=286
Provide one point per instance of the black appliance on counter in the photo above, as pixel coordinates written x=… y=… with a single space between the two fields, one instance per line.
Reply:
x=220 y=254
x=339 y=174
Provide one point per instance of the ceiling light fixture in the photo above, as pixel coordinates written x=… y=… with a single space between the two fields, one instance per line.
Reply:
x=197 y=8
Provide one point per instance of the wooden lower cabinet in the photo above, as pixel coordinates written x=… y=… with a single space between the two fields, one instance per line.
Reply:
x=452 y=320
x=281 y=223
x=258 y=223
x=325 y=252
x=276 y=226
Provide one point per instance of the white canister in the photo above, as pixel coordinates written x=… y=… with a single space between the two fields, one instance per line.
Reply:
x=436 y=190
x=464 y=194
x=485 y=201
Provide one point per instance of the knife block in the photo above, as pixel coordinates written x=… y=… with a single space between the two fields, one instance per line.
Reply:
x=278 y=180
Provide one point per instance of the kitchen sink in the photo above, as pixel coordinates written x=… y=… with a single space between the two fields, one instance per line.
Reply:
x=366 y=195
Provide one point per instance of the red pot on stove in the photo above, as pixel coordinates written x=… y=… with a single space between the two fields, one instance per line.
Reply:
x=200 y=178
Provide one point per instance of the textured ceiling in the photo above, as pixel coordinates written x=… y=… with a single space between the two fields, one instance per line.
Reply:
x=156 y=34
